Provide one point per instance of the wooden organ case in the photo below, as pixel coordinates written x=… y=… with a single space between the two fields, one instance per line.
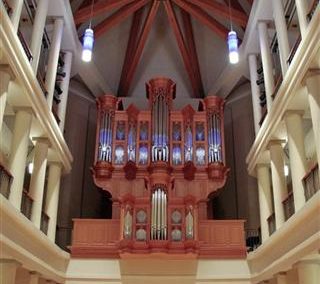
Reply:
x=160 y=166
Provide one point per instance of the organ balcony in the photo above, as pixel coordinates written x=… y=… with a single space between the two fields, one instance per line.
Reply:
x=159 y=165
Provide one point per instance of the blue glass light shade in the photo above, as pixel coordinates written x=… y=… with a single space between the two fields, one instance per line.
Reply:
x=87 y=45
x=233 y=47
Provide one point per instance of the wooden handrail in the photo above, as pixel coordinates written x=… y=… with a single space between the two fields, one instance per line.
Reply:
x=25 y=46
x=42 y=84
x=272 y=216
x=3 y=169
x=294 y=50
x=312 y=8
x=264 y=115
x=26 y=193
x=7 y=6
x=277 y=86
x=290 y=194
x=311 y=170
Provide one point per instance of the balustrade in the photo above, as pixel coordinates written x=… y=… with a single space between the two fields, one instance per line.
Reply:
x=288 y=206
x=311 y=182
x=271 y=223
x=5 y=181
x=44 y=222
x=26 y=204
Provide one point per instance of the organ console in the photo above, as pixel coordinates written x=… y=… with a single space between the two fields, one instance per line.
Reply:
x=160 y=165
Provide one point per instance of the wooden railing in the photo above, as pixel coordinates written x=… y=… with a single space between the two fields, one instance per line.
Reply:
x=5 y=181
x=25 y=46
x=288 y=205
x=26 y=204
x=222 y=237
x=253 y=239
x=95 y=232
x=294 y=50
x=312 y=9
x=271 y=224
x=216 y=238
x=311 y=182
x=42 y=84
x=44 y=222
x=7 y=7
x=278 y=80
x=264 y=112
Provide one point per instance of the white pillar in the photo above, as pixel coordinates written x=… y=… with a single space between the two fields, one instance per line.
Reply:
x=309 y=270
x=53 y=59
x=6 y=75
x=18 y=154
x=282 y=34
x=37 y=180
x=52 y=198
x=253 y=66
x=8 y=271
x=37 y=32
x=301 y=6
x=313 y=87
x=266 y=62
x=279 y=185
x=298 y=164
x=65 y=88
x=16 y=13
x=265 y=202
x=281 y=278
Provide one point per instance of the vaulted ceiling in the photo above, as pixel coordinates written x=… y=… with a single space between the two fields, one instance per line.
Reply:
x=181 y=39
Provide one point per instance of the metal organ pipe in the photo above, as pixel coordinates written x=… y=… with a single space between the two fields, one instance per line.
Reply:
x=214 y=124
x=159 y=215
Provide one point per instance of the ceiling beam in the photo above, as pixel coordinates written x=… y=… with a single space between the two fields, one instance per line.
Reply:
x=101 y=7
x=204 y=18
x=118 y=17
x=182 y=46
x=131 y=46
x=189 y=37
x=139 y=49
x=221 y=10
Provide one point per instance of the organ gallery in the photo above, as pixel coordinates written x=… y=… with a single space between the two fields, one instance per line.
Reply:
x=160 y=165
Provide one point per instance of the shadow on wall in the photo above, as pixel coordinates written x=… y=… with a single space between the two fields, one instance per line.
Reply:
x=79 y=196
x=239 y=197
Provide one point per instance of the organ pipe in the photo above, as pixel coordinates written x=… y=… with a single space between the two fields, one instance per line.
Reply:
x=159 y=215
x=105 y=143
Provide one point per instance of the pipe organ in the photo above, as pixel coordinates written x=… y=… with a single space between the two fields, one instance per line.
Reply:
x=160 y=165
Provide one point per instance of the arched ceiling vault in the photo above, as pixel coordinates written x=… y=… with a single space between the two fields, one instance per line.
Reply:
x=213 y=14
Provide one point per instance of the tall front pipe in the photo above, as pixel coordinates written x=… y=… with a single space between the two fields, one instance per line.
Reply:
x=106 y=110
x=161 y=92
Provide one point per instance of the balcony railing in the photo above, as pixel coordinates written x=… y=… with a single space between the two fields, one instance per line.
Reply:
x=5 y=181
x=25 y=46
x=311 y=182
x=288 y=206
x=272 y=224
x=7 y=7
x=26 y=204
x=44 y=222
x=312 y=9
x=294 y=50
x=253 y=239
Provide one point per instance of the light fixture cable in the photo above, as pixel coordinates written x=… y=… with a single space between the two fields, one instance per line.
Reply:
x=230 y=15
x=91 y=13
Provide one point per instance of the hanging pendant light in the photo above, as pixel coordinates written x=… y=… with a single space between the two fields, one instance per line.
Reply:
x=87 y=45
x=233 y=47
x=88 y=40
x=232 y=42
